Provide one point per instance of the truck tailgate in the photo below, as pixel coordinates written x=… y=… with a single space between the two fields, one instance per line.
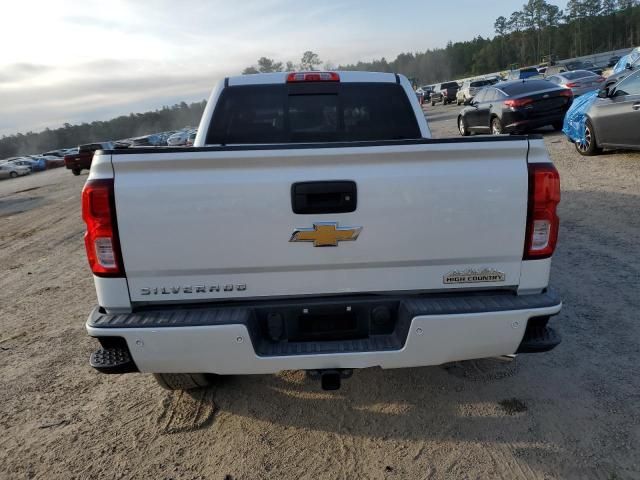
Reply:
x=212 y=223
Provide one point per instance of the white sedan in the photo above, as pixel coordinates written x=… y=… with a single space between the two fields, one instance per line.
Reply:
x=11 y=170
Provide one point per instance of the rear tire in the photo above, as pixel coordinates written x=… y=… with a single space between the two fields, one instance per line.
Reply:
x=462 y=127
x=557 y=126
x=13 y=174
x=184 y=381
x=76 y=171
x=589 y=147
x=433 y=104
x=496 y=126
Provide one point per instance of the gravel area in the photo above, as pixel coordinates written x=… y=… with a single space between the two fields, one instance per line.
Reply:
x=570 y=413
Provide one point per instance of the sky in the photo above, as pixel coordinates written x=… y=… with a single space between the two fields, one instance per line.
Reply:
x=70 y=61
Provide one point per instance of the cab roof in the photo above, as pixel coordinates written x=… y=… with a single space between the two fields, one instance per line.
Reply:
x=281 y=78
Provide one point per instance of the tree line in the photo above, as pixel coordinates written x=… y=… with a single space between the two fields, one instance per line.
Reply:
x=125 y=126
x=538 y=32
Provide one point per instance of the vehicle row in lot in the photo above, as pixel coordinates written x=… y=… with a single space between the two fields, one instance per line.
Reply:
x=518 y=106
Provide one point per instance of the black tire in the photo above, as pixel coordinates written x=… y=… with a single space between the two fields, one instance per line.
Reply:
x=13 y=174
x=76 y=171
x=462 y=127
x=184 y=381
x=590 y=146
x=557 y=126
x=496 y=126
x=433 y=104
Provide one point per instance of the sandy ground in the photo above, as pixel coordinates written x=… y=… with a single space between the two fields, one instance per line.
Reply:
x=570 y=413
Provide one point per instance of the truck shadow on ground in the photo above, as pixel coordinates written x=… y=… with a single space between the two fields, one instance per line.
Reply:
x=480 y=400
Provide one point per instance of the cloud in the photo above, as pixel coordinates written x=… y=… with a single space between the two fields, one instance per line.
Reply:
x=20 y=71
x=98 y=94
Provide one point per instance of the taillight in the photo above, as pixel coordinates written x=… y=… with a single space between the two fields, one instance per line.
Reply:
x=101 y=238
x=542 y=220
x=518 y=102
x=313 y=77
x=572 y=85
x=566 y=92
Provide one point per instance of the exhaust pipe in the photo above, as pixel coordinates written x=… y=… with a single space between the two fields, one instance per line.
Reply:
x=330 y=379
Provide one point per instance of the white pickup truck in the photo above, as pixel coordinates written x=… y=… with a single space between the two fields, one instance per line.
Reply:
x=315 y=225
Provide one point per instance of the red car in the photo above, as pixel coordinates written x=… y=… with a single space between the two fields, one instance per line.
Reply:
x=81 y=160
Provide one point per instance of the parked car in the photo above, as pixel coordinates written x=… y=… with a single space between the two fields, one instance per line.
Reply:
x=444 y=92
x=583 y=65
x=613 y=119
x=579 y=81
x=523 y=73
x=554 y=70
x=469 y=89
x=11 y=170
x=77 y=162
x=613 y=60
x=178 y=138
x=458 y=252
x=515 y=106
x=55 y=153
x=31 y=164
x=426 y=92
x=191 y=139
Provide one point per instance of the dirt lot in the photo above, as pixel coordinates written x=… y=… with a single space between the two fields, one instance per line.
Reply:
x=570 y=413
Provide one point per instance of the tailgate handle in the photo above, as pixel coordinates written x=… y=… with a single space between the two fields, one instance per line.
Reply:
x=340 y=196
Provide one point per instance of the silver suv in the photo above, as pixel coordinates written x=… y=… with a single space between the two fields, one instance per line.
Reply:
x=469 y=90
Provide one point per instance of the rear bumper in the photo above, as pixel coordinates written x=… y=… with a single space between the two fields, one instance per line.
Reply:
x=430 y=330
x=517 y=121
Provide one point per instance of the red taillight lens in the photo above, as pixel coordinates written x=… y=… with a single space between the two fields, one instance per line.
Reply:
x=572 y=85
x=101 y=237
x=518 y=102
x=542 y=220
x=313 y=77
x=566 y=92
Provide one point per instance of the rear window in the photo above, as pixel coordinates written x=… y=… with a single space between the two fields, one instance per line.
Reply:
x=578 y=74
x=517 y=88
x=480 y=83
x=296 y=113
x=449 y=85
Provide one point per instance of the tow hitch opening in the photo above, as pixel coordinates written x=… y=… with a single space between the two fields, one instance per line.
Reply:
x=330 y=379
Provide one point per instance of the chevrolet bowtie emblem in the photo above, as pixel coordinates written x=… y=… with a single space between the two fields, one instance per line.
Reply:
x=325 y=234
